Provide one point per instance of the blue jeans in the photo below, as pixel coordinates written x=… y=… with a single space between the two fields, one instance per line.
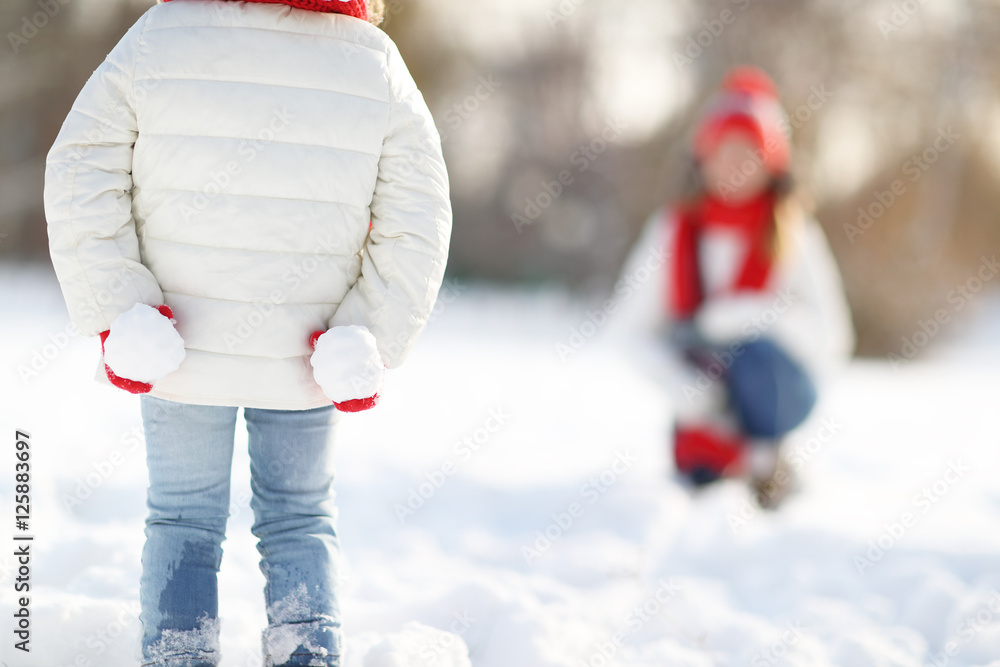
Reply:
x=189 y=451
x=769 y=392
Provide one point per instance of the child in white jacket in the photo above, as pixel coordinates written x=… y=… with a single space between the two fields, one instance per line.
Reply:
x=744 y=313
x=248 y=203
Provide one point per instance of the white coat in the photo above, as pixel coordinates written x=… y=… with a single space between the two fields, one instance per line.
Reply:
x=227 y=159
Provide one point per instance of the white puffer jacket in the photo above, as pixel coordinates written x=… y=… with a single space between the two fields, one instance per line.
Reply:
x=227 y=159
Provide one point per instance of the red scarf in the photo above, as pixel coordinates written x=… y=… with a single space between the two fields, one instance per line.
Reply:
x=753 y=220
x=355 y=8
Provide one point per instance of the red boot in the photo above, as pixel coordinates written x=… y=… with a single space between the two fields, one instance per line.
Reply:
x=705 y=454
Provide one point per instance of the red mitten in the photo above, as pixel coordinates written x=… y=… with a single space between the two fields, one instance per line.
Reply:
x=705 y=454
x=347 y=366
x=143 y=345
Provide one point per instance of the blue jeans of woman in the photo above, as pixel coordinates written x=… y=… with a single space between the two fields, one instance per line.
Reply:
x=769 y=392
x=189 y=450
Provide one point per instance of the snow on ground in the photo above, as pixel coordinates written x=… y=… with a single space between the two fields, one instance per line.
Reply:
x=506 y=502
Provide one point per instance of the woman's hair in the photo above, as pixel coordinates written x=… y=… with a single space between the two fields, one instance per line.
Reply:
x=376 y=11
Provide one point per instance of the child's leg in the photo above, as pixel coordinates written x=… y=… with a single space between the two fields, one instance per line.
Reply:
x=291 y=476
x=189 y=450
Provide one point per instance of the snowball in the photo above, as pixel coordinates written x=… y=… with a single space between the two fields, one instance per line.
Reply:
x=143 y=345
x=346 y=364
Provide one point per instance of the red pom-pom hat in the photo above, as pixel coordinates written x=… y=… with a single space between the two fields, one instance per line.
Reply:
x=747 y=102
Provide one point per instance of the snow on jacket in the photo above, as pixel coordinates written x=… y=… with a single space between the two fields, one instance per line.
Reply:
x=228 y=159
x=802 y=307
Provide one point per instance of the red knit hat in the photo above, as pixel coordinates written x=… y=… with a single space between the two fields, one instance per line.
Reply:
x=747 y=102
x=355 y=8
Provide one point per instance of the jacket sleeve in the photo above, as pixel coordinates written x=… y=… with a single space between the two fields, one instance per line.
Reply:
x=88 y=201
x=404 y=258
x=640 y=293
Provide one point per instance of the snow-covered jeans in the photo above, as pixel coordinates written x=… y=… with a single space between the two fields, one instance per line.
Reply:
x=189 y=450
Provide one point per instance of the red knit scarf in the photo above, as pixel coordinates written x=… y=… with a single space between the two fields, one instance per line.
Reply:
x=355 y=8
x=752 y=220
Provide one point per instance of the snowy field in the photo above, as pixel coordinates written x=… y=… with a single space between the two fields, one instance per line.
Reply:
x=526 y=505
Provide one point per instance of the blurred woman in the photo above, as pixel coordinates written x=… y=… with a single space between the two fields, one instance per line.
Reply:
x=746 y=299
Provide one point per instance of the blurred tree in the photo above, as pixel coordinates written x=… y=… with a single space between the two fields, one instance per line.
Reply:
x=49 y=49
x=565 y=124
x=869 y=87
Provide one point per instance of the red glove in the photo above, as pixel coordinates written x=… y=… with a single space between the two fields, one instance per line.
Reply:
x=131 y=386
x=359 y=339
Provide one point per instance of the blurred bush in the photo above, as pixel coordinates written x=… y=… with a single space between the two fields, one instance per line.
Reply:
x=565 y=125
